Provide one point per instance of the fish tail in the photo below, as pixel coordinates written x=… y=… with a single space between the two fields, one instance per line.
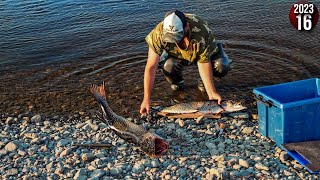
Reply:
x=99 y=93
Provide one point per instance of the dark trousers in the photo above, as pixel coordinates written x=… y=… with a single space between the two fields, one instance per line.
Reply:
x=172 y=67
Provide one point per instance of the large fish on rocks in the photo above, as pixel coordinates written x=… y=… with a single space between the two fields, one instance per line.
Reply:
x=151 y=144
x=204 y=107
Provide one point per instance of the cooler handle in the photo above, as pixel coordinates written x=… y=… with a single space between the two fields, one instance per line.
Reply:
x=268 y=103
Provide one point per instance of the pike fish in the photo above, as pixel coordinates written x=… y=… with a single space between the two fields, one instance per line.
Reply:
x=204 y=107
x=150 y=143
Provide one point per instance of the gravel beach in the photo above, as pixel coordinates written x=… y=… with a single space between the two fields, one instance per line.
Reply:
x=39 y=147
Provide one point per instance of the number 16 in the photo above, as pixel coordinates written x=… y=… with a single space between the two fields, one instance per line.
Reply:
x=306 y=20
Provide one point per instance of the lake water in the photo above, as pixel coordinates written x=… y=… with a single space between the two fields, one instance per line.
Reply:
x=51 y=51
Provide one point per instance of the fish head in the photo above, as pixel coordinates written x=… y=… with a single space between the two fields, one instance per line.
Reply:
x=232 y=106
x=153 y=145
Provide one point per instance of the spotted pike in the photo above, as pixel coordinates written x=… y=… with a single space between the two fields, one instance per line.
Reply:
x=151 y=144
x=204 y=107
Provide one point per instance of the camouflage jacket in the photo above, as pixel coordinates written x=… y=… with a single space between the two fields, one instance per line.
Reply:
x=202 y=44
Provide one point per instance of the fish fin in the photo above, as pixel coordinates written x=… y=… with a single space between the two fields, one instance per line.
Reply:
x=101 y=119
x=102 y=89
x=125 y=137
x=174 y=101
x=222 y=110
x=99 y=91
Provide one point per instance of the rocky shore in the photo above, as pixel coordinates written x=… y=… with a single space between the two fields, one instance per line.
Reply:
x=38 y=147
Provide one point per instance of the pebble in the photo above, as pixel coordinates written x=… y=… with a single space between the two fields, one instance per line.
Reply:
x=214 y=152
x=12 y=172
x=94 y=127
x=228 y=141
x=2 y=144
x=59 y=171
x=239 y=115
x=209 y=132
x=219 y=158
x=298 y=166
x=182 y=172
x=236 y=166
x=46 y=123
x=181 y=123
x=221 y=145
x=261 y=167
x=22 y=153
x=238 y=153
x=30 y=135
x=287 y=173
x=200 y=120
x=167 y=177
x=255 y=116
x=114 y=171
x=11 y=146
x=36 y=118
x=247 y=130
x=232 y=162
x=87 y=157
x=210 y=145
x=137 y=168
x=66 y=152
x=244 y=173
x=243 y=163
x=9 y=120
x=265 y=172
x=49 y=166
x=100 y=155
x=63 y=142
x=155 y=163
x=80 y=175
x=218 y=172
x=80 y=125
x=284 y=156
x=97 y=173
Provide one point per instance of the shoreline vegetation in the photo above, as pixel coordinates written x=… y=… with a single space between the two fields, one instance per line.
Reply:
x=39 y=147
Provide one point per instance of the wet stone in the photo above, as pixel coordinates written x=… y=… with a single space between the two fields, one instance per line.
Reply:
x=36 y=118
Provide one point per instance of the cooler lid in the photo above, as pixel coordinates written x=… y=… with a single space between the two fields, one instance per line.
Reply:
x=306 y=153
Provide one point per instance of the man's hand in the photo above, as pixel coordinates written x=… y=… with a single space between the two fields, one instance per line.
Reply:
x=205 y=71
x=215 y=96
x=145 y=107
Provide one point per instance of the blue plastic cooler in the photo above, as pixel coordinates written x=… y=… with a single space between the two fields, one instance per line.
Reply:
x=290 y=112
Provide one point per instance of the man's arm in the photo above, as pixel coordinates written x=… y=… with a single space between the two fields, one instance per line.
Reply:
x=149 y=77
x=205 y=71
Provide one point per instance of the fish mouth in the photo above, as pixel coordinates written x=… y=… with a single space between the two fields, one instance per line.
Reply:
x=161 y=147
